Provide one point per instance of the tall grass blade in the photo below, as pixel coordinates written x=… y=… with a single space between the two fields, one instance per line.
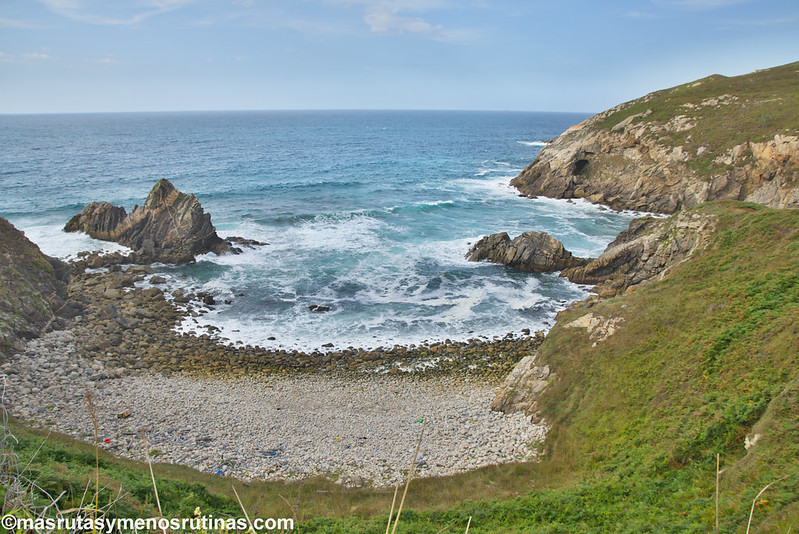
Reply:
x=410 y=475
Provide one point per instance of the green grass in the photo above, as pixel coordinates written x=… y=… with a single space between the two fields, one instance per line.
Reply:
x=703 y=359
x=767 y=104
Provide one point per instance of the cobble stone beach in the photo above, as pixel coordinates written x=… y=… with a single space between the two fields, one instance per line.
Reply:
x=358 y=429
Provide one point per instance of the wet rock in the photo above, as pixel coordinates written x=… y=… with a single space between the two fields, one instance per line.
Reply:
x=171 y=227
x=531 y=251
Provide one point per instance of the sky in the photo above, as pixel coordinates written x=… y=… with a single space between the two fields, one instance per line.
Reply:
x=63 y=56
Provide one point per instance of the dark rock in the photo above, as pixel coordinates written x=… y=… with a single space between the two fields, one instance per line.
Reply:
x=244 y=242
x=32 y=287
x=171 y=227
x=531 y=251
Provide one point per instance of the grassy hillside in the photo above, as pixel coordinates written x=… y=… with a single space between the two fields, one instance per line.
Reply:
x=703 y=359
x=726 y=112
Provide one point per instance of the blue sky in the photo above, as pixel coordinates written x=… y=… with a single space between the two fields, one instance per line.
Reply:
x=551 y=55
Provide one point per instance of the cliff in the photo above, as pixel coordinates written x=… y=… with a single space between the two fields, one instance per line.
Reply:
x=716 y=138
x=171 y=227
x=33 y=290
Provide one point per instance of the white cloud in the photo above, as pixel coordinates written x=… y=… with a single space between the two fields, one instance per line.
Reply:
x=392 y=17
x=36 y=55
x=11 y=23
x=381 y=20
x=97 y=12
x=640 y=15
x=700 y=4
x=778 y=21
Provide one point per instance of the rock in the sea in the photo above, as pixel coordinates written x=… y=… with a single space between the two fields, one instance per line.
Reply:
x=171 y=227
x=33 y=289
x=531 y=251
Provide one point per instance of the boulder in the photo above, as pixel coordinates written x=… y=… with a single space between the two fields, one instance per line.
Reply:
x=531 y=252
x=171 y=227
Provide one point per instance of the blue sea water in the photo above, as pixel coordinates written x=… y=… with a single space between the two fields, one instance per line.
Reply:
x=367 y=212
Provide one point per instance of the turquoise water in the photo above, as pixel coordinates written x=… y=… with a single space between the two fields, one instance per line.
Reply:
x=367 y=212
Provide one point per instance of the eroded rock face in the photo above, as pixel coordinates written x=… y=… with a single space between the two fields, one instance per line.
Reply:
x=645 y=252
x=33 y=289
x=521 y=389
x=171 y=227
x=664 y=165
x=531 y=251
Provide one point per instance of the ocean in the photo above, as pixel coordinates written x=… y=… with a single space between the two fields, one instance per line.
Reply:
x=369 y=213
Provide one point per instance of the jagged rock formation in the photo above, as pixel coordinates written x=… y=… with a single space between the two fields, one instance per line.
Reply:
x=33 y=290
x=531 y=251
x=717 y=138
x=645 y=252
x=171 y=227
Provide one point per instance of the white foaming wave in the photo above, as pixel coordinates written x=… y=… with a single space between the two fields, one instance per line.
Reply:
x=533 y=143
x=54 y=241
x=513 y=297
x=497 y=187
x=489 y=167
x=346 y=232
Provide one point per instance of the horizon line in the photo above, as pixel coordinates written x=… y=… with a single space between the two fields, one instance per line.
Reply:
x=286 y=110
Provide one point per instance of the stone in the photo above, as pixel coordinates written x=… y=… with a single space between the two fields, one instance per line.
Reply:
x=531 y=251
x=33 y=287
x=645 y=252
x=171 y=227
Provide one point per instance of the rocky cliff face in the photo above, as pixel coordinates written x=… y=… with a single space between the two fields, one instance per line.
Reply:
x=33 y=290
x=645 y=252
x=717 y=138
x=531 y=251
x=171 y=227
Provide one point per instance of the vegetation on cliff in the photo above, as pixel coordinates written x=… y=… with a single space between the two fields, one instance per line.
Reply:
x=712 y=139
x=700 y=363
x=33 y=289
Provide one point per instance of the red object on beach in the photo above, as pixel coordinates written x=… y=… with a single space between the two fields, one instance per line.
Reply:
x=107 y=440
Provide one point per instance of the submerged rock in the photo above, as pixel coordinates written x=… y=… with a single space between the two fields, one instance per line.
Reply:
x=531 y=251
x=171 y=227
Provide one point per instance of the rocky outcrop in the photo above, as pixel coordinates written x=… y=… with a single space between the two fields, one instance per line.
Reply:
x=531 y=251
x=678 y=148
x=33 y=290
x=645 y=252
x=520 y=390
x=171 y=227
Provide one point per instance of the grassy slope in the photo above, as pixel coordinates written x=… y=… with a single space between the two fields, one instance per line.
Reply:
x=704 y=358
x=767 y=104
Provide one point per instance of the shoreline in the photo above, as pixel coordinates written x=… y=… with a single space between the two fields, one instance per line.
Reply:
x=357 y=429
x=192 y=400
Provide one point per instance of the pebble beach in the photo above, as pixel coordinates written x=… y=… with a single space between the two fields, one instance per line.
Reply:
x=358 y=429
